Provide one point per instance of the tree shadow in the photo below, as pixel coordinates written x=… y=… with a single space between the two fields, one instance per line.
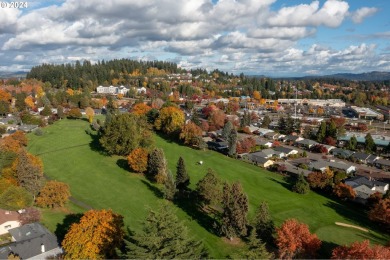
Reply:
x=192 y=208
x=123 y=164
x=63 y=228
x=326 y=249
x=95 y=144
x=288 y=184
x=157 y=192
x=170 y=138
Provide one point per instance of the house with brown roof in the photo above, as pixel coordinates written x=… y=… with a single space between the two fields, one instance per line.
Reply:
x=8 y=220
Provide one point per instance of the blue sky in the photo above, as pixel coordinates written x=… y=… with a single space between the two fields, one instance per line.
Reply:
x=269 y=37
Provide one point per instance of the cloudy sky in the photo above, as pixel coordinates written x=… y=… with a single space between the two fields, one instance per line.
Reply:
x=269 y=37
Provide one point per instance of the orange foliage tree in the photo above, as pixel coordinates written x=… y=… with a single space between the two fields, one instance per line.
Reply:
x=97 y=236
x=361 y=250
x=170 y=120
x=9 y=144
x=29 y=102
x=381 y=212
x=344 y=191
x=138 y=160
x=20 y=137
x=217 y=119
x=53 y=194
x=294 y=240
x=5 y=96
x=140 y=109
x=189 y=133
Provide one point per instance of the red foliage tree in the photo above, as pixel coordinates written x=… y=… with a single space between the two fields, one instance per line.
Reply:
x=205 y=126
x=319 y=148
x=275 y=143
x=344 y=191
x=294 y=240
x=381 y=213
x=339 y=121
x=330 y=141
x=217 y=119
x=319 y=180
x=361 y=250
x=245 y=145
x=206 y=111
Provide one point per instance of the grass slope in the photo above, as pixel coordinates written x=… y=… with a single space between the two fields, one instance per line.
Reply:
x=100 y=181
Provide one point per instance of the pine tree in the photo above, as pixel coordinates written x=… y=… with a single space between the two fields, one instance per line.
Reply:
x=263 y=223
x=369 y=144
x=289 y=125
x=232 y=140
x=321 y=134
x=352 y=143
x=157 y=166
x=227 y=128
x=235 y=209
x=169 y=187
x=331 y=130
x=164 y=237
x=282 y=124
x=182 y=177
x=301 y=186
x=209 y=189
x=266 y=121
x=255 y=249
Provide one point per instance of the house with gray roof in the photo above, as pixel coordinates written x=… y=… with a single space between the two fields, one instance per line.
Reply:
x=31 y=241
x=260 y=161
x=287 y=151
x=305 y=143
x=375 y=186
x=382 y=164
x=322 y=165
x=341 y=153
x=364 y=157
x=27 y=128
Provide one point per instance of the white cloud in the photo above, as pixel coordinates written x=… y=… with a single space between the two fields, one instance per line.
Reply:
x=359 y=15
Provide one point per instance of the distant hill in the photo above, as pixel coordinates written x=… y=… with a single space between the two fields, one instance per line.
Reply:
x=367 y=76
x=16 y=74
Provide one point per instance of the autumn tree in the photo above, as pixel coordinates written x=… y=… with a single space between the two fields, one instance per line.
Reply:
x=263 y=222
x=319 y=180
x=217 y=119
x=29 y=100
x=5 y=96
x=138 y=159
x=157 y=166
x=29 y=172
x=190 y=132
x=97 y=236
x=90 y=113
x=235 y=210
x=344 y=191
x=361 y=250
x=30 y=215
x=209 y=189
x=294 y=240
x=182 y=177
x=140 y=109
x=381 y=213
x=124 y=133
x=170 y=120
x=15 y=198
x=20 y=137
x=163 y=236
x=53 y=194
x=74 y=113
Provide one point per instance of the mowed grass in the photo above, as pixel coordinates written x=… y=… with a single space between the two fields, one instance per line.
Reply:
x=101 y=182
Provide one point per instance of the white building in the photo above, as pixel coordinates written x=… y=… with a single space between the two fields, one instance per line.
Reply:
x=8 y=220
x=112 y=90
x=313 y=102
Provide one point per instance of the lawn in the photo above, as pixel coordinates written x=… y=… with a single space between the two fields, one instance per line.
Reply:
x=70 y=155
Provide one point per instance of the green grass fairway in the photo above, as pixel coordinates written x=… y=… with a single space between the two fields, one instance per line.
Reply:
x=103 y=182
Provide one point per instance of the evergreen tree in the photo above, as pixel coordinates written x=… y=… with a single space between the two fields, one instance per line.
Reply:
x=60 y=112
x=235 y=209
x=209 y=189
x=307 y=132
x=232 y=140
x=163 y=236
x=157 y=166
x=182 y=177
x=289 y=125
x=266 y=121
x=369 y=144
x=321 y=134
x=352 y=143
x=331 y=129
x=263 y=223
x=282 y=124
x=301 y=186
x=297 y=125
x=169 y=187
x=255 y=249
x=227 y=128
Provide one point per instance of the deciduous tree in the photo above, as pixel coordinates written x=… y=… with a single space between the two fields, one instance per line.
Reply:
x=301 y=186
x=319 y=180
x=217 y=119
x=30 y=215
x=140 y=109
x=163 y=236
x=15 y=198
x=344 y=191
x=381 y=213
x=90 y=113
x=361 y=250
x=190 y=132
x=53 y=194
x=74 y=113
x=29 y=172
x=138 y=159
x=97 y=236
x=235 y=210
x=294 y=240
x=170 y=120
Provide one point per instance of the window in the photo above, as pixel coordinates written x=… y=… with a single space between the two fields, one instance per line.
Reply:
x=7 y=227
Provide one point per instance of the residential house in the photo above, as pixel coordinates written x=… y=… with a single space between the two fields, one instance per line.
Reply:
x=32 y=241
x=364 y=157
x=329 y=147
x=260 y=161
x=287 y=151
x=271 y=135
x=264 y=143
x=341 y=153
x=383 y=164
x=364 y=186
x=294 y=169
x=272 y=153
x=263 y=131
x=28 y=128
x=305 y=143
x=8 y=220
x=218 y=146
x=291 y=138
x=341 y=166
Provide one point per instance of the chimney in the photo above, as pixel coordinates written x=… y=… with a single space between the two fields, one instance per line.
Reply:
x=42 y=248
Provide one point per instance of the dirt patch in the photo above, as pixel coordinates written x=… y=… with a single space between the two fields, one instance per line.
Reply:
x=351 y=226
x=235 y=241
